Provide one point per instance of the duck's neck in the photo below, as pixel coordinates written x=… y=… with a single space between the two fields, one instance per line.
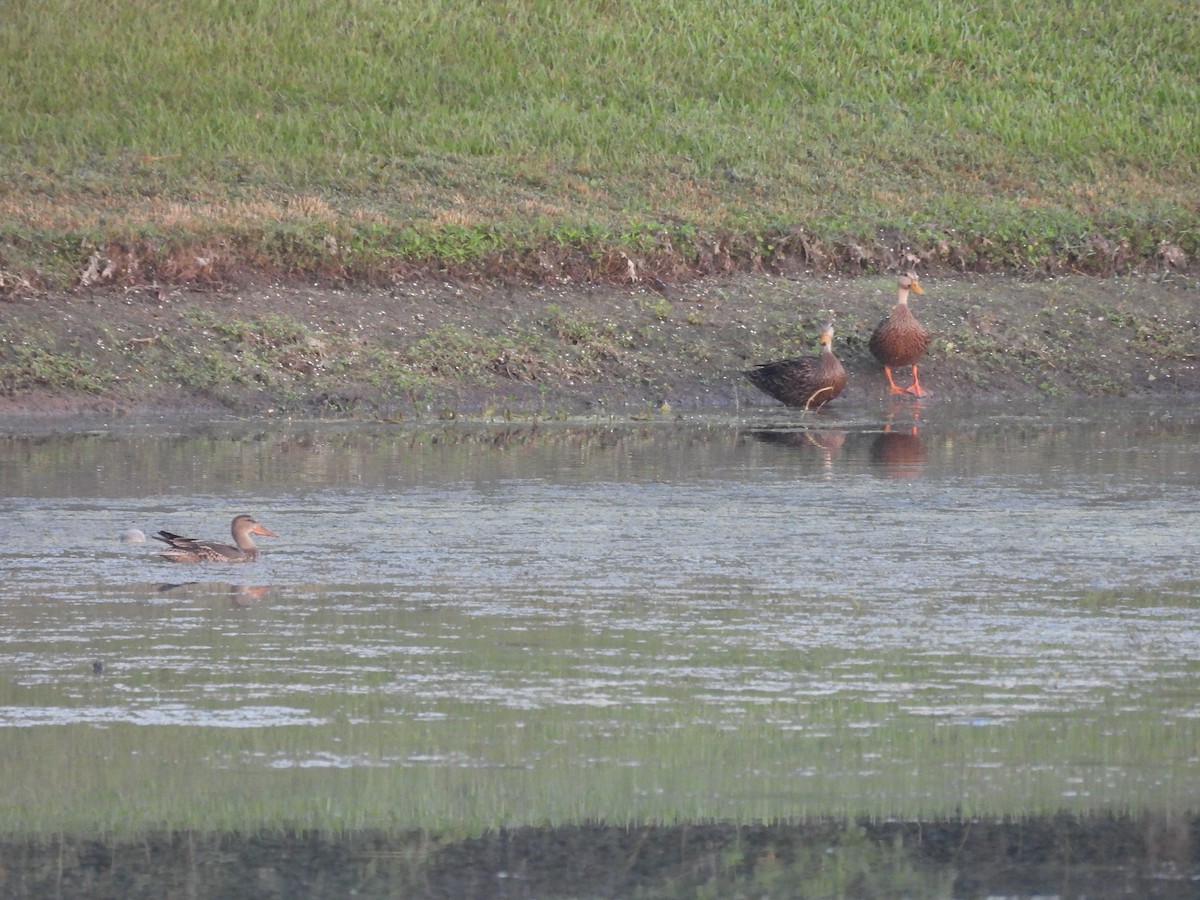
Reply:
x=902 y=300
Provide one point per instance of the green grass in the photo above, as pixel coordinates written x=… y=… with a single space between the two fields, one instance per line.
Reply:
x=30 y=362
x=492 y=769
x=359 y=137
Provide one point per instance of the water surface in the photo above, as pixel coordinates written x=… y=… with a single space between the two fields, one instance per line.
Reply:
x=929 y=611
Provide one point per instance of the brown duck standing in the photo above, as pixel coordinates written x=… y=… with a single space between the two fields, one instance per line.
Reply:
x=243 y=549
x=810 y=382
x=900 y=340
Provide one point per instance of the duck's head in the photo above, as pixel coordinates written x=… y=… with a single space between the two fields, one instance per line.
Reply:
x=245 y=524
x=826 y=336
x=909 y=282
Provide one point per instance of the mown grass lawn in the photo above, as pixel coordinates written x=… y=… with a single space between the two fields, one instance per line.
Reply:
x=185 y=139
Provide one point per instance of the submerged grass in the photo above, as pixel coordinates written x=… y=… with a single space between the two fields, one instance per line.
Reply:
x=487 y=769
x=356 y=138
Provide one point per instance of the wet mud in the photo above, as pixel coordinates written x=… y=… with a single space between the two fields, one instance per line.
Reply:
x=433 y=349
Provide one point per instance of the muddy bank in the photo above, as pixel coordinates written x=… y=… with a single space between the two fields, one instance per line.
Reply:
x=441 y=349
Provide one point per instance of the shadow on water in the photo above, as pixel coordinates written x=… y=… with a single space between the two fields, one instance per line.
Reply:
x=1055 y=856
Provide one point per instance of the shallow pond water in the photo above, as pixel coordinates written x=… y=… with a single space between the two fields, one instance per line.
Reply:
x=931 y=611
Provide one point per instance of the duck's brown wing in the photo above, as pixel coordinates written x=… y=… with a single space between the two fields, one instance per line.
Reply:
x=176 y=540
x=191 y=549
x=798 y=381
x=218 y=552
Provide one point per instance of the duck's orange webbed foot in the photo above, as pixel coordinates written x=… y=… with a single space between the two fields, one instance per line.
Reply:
x=892 y=386
x=915 y=388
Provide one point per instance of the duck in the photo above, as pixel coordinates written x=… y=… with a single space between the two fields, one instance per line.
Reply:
x=190 y=550
x=900 y=340
x=808 y=382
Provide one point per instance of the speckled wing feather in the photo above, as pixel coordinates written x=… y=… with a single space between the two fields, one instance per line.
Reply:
x=802 y=382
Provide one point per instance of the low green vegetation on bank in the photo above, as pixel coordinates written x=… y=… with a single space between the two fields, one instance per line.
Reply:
x=438 y=350
x=190 y=141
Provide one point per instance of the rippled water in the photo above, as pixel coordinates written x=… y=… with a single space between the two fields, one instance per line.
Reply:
x=769 y=614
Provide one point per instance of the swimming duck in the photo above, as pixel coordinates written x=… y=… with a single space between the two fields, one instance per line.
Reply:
x=183 y=549
x=900 y=340
x=810 y=382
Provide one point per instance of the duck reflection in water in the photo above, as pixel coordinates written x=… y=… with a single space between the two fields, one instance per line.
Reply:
x=899 y=453
x=240 y=595
x=248 y=595
x=826 y=441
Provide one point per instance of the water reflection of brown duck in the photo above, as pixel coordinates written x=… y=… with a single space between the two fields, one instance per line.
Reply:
x=246 y=595
x=239 y=594
x=809 y=382
x=899 y=454
x=827 y=441
x=900 y=340
x=183 y=549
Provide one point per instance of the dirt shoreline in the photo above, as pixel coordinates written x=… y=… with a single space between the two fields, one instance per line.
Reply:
x=440 y=349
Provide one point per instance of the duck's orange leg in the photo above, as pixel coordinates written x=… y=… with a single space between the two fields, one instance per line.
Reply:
x=892 y=386
x=915 y=387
